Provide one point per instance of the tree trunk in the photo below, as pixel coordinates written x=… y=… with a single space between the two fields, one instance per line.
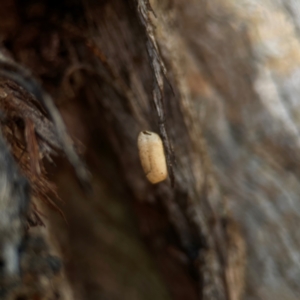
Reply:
x=218 y=81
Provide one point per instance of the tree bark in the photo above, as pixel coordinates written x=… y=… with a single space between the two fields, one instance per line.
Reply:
x=218 y=81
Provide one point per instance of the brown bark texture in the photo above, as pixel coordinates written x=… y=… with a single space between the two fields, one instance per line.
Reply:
x=218 y=80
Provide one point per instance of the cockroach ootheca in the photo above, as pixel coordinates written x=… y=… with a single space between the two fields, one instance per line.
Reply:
x=152 y=156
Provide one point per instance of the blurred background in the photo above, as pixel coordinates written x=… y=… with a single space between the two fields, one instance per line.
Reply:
x=220 y=82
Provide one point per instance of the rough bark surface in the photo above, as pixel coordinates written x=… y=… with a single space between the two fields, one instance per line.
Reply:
x=219 y=81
